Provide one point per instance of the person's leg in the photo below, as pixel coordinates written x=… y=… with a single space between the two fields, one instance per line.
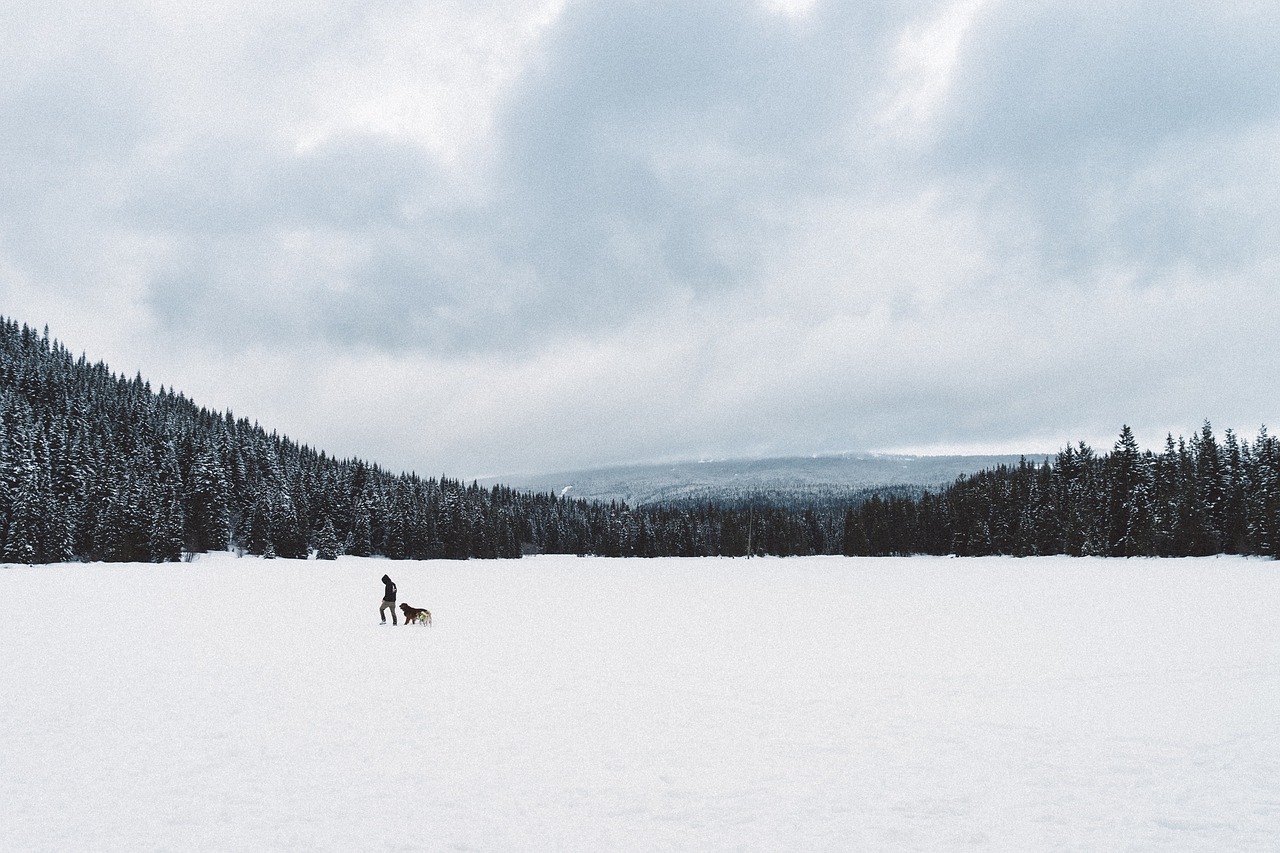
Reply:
x=382 y=612
x=393 y=613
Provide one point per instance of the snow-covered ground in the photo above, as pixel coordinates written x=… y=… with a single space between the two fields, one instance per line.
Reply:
x=566 y=704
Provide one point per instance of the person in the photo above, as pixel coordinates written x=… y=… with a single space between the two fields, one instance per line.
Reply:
x=388 y=601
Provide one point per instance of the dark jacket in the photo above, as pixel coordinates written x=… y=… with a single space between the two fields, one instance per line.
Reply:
x=390 y=594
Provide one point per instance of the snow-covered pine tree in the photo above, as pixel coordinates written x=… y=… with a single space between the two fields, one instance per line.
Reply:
x=1129 y=511
x=361 y=544
x=1209 y=493
x=208 y=526
x=1235 y=508
x=327 y=542
x=288 y=535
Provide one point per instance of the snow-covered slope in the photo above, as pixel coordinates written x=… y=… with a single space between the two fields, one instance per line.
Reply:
x=792 y=478
x=565 y=704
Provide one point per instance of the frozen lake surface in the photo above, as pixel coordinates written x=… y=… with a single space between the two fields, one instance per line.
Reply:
x=567 y=704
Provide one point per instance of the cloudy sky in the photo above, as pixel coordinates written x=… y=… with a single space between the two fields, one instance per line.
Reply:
x=507 y=236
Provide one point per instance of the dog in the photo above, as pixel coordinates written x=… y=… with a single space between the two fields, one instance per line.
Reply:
x=415 y=614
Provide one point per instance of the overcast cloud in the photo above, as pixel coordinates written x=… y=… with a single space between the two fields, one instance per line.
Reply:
x=474 y=238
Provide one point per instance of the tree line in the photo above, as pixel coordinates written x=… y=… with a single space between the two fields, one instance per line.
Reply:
x=97 y=466
x=1194 y=498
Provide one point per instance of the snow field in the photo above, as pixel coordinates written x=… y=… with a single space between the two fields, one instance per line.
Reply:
x=592 y=704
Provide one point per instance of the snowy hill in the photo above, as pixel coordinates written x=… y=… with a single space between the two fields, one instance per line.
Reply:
x=789 y=480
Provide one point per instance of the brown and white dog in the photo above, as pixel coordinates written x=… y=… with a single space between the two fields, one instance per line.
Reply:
x=415 y=614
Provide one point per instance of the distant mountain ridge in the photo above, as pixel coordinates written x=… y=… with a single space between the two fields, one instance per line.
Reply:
x=821 y=480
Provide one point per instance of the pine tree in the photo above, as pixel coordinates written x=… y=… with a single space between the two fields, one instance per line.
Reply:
x=853 y=542
x=1164 y=499
x=288 y=536
x=1129 y=505
x=1264 y=499
x=361 y=544
x=327 y=542
x=208 y=517
x=1209 y=494
x=1235 y=516
x=165 y=533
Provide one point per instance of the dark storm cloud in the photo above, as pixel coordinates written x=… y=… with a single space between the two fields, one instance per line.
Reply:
x=1122 y=127
x=649 y=152
x=1040 y=86
x=655 y=145
x=353 y=241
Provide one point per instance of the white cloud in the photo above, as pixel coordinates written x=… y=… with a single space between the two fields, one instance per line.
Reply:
x=924 y=63
x=482 y=237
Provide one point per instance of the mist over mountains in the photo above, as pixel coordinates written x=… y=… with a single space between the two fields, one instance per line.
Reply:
x=818 y=481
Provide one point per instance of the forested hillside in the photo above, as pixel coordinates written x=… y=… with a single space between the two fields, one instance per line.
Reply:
x=95 y=466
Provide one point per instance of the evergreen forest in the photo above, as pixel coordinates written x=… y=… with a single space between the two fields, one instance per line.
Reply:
x=98 y=466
